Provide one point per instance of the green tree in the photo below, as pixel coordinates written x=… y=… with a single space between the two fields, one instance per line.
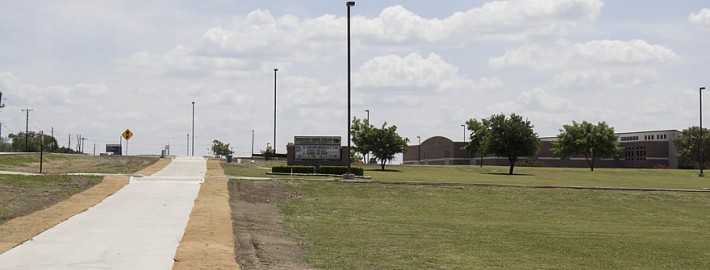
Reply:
x=34 y=139
x=360 y=130
x=386 y=143
x=268 y=152
x=688 y=147
x=221 y=149
x=511 y=138
x=477 y=136
x=586 y=139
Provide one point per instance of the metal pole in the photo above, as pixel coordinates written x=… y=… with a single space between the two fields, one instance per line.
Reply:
x=464 y=133
x=193 y=129
x=367 y=156
x=252 y=144
x=41 y=150
x=349 y=4
x=419 y=150
x=27 y=124
x=275 y=70
x=701 y=132
x=188 y=145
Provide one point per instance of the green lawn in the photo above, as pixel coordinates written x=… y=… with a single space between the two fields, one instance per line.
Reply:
x=646 y=178
x=600 y=177
x=376 y=226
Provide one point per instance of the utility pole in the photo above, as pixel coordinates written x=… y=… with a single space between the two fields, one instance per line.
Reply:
x=54 y=145
x=27 y=124
x=252 y=144
x=82 y=144
x=41 y=150
x=69 y=143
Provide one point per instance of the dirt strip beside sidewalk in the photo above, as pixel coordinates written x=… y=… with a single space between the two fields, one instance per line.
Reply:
x=21 y=229
x=208 y=242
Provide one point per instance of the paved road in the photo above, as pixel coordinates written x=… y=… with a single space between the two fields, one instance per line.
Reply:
x=139 y=227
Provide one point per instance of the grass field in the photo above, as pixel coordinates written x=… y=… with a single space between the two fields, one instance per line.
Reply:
x=640 y=178
x=375 y=226
x=21 y=195
x=62 y=163
x=643 y=178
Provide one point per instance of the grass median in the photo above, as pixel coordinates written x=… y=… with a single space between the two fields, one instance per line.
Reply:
x=21 y=195
x=374 y=226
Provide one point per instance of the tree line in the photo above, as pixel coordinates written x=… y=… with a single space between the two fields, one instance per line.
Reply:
x=513 y=137
x=33 y=142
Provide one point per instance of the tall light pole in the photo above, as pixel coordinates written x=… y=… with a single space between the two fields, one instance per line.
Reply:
x=367 y=156
x=701 y=132
x=419 y=150
x=188 y=145
x=252 y=144
x=348 y=174
x=193 y=128
x=275 y=70
x=464 y=133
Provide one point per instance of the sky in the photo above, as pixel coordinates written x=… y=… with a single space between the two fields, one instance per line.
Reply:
x=97 y=68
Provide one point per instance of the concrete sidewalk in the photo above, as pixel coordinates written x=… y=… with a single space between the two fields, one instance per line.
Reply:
x=139 y=227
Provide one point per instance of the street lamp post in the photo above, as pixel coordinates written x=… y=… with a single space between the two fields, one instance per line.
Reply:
x=701 y=132
x=348 y=174
x=367 y=156
x=464 y=133
x=275 y=70
x=188 y=145
x=419 y=150
x=193 y=128
x=252 y=144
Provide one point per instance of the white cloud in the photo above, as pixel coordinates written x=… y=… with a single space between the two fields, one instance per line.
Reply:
x=24 y=93
x=701 y=18
x=415 y=71
x=498 y=20
x=592 y=53
x=603 y=77
x=183 y=62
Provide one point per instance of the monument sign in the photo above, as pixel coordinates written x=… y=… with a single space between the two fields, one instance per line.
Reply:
x=317 y=147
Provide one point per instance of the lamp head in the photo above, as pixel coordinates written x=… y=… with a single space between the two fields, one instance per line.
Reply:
x=702 y=88
x=276 y=69
x=350 y=3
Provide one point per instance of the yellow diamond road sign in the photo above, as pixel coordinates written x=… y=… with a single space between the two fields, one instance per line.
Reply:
x=127 y=134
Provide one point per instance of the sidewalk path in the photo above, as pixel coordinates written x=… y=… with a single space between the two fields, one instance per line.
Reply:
x=139 y=227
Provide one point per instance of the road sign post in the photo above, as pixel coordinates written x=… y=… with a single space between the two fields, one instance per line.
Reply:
x=127 y=135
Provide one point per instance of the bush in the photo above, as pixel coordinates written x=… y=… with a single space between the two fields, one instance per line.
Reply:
x=339 y=170
x=293 y=169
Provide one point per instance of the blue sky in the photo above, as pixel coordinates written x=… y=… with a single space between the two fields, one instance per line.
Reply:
x=96 y=68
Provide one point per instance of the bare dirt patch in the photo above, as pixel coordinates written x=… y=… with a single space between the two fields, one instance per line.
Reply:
x=208 y=242
x=261 y=241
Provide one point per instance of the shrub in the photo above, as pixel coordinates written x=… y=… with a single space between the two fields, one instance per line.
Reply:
x=293 y=169
x=339 y=170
